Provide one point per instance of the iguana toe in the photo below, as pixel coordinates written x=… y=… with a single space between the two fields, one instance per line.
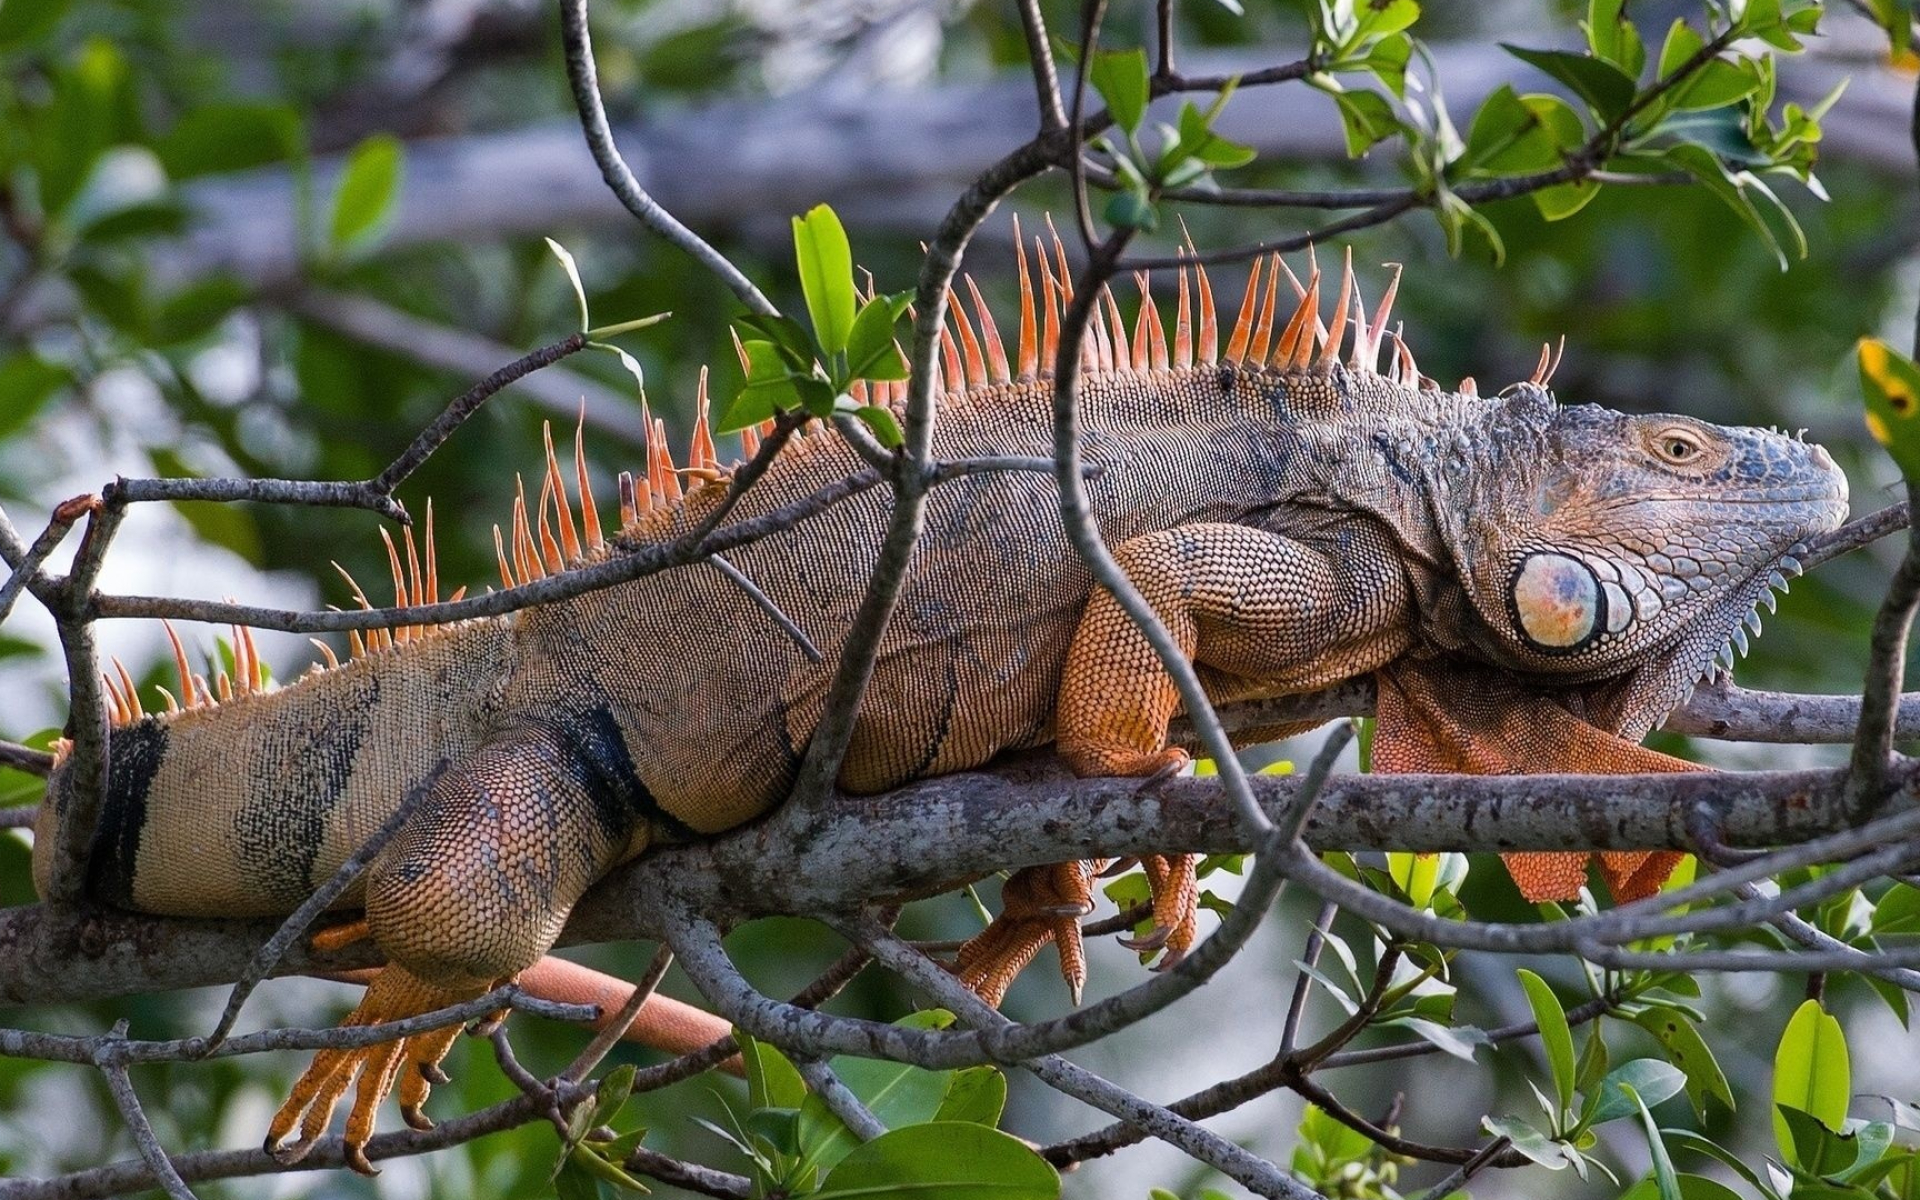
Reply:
x=411 y=1062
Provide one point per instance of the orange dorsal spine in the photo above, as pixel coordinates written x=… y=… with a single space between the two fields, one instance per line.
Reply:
x=1243 y=325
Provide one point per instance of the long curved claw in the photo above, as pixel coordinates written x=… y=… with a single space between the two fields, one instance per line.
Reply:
x=1176 y=900
x=393 y=994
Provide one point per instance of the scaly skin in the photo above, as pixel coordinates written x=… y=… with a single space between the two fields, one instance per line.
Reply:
x=1293 y=521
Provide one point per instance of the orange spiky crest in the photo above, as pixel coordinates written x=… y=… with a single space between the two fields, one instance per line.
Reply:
x=1029 y=345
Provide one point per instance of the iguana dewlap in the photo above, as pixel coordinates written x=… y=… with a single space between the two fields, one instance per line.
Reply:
x=1294 y=519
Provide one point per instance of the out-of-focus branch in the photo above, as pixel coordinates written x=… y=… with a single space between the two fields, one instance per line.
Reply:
x=887 y=161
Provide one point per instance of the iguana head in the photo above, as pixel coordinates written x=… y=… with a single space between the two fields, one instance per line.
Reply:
x=1605 y=543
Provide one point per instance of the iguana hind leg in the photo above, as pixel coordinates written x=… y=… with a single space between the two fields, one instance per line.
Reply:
x=1250 y=606
x=473 y=890
x=1453 y=718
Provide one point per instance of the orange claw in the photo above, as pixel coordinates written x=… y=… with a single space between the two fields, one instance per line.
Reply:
x=1045 y=904
x=413 y=1062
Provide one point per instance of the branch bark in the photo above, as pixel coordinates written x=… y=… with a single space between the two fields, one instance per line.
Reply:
x=932 y=835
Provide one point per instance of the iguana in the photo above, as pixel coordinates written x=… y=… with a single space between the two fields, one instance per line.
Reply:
x=1533 y=586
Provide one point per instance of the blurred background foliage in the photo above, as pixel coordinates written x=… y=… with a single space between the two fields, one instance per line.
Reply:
x=136 y=135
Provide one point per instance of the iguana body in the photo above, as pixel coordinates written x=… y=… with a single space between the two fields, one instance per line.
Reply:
x=1293 y=520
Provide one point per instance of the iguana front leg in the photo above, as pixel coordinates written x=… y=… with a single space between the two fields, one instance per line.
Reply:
x=473 y=890
x=1455 y=718
x=1254 y=610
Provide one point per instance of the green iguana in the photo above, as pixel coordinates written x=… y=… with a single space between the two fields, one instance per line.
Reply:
x=1534 y=586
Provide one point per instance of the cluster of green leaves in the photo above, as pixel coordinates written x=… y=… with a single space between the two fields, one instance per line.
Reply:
x=1188 y=151
x=1701 y=108
x=793 y=368
x=1342 y=1163
x=942 y=1140
x=92 y=167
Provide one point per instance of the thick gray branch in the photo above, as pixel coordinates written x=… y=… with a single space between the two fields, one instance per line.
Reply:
x=931 y=835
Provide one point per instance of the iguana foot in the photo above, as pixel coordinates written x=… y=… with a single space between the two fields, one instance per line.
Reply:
x=1045 y=904
x=1038 y=905
x=412 y=1062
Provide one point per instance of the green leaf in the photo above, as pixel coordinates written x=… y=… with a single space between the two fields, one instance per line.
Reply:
x=1384 y=18
x=1894 y=16
x=1415 y=875
x=769 y=389
x=976 y=1094
x=1517 y=134
x=612 y=1095
x=193 y=310
x=1898 y=910
x=1388 y=61
x=1561 y=201
x=574 y=1182
x=1120 y=76
x=1730 y=190
x=218 y=138
x=1663 y=1173
x=23 y=21
x=1613 y=38
x=1528 y=1141
x=1691 y=1187
x=1367 y=118
x=628 y=361
x=1641 y=1081
x=871 y=350
x=1459 y=1041
x=1718 y=83
x=85 y=117
x=369 y=184
x=620 y=327
x=1682 y=44
x=885 y=426
x=1131 y=210
x=826 y=275
x=27 y=382
x=597 y=1165
x=796 y=345
x=942 y=1160
x=1811 y=1072
x=772 y=1080
x=1815 y=1149
x=573 y=277
x=1555 y=1037
x=1598 y=81
x=1891 y=383
x=1688 y=1051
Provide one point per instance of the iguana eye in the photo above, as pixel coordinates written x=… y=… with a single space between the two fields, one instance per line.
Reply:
x=1677 y=446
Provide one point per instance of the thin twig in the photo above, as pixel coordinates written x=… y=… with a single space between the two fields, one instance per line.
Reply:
x=27 y=573
x=691 y=1176
x=1046 y=81
x=603 y=1041
x=1303 y=982
x=464 y=406
x=838 y=1098
x=26 y=758
x=1468 y=1169
x=584 y=77
x=1202 y=1144
x=120 y=1084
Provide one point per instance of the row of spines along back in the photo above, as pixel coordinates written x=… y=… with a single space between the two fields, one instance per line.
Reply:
x=545 y=537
